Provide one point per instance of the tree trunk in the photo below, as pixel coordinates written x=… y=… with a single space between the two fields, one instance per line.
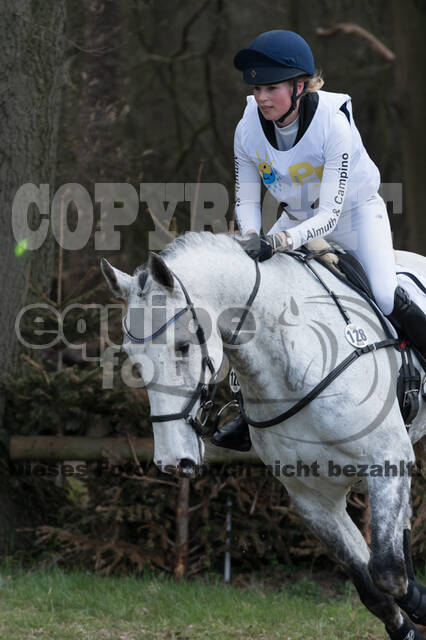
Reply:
x=31 y=51
x=410 y=49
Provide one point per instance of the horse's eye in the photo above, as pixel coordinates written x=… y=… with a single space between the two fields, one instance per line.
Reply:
x=182 y=348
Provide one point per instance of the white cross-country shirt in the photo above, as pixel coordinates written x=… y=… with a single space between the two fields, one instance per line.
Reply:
x=327 y=171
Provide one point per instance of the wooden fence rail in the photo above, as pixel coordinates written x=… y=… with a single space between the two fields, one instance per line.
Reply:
x=55 y=448
x=58 y=448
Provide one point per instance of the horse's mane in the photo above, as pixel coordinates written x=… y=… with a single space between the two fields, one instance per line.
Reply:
x=193 y=240
x=200 y=239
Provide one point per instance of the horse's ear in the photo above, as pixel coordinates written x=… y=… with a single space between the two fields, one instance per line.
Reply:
x=118 y=281
x=160 y=272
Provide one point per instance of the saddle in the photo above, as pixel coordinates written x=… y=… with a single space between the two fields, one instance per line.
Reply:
x=349 y=270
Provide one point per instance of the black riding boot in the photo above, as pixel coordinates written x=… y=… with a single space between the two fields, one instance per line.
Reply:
x=233 y=435
x=410 y=319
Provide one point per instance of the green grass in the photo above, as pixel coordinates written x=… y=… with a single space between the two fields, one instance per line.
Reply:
x=60 y=605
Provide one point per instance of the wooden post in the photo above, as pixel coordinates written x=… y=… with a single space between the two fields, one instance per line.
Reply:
x=182 y=529
x=228 y=525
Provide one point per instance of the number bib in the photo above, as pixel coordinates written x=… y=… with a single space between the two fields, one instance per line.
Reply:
x=233 y=382
x=356 y=335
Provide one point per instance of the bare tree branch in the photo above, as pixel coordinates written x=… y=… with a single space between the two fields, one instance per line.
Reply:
x=185 y=31
x=160 y=225
x=359 y=32
x=197 y=191
x=208 y=79
x=187 y=148
x=168 y=80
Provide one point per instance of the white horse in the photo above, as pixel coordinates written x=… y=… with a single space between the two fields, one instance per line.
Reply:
x=292 y=338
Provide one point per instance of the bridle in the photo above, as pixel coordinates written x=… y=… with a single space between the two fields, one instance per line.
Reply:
x=201 y=390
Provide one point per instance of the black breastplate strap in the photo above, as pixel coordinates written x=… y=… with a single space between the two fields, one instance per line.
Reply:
x=388 y=342
x=263 y=424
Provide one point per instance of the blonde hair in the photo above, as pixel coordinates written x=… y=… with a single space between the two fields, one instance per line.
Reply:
x=315 y=82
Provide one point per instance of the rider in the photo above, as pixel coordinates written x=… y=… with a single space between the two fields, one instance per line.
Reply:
x=305 y=147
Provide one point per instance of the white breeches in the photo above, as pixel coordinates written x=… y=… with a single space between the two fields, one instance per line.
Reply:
x=364 y=232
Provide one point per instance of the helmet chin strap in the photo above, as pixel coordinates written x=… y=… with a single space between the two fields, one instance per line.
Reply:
x=294 y=99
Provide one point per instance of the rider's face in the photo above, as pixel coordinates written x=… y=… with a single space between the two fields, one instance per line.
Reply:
x=274 y=100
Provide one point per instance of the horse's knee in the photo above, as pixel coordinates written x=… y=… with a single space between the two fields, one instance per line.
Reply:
x=389 y=574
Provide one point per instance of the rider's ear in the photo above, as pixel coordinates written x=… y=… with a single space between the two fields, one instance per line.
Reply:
x=160 y=271
x=118 y=281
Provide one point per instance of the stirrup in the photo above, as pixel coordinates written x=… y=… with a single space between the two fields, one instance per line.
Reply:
x=233 y=435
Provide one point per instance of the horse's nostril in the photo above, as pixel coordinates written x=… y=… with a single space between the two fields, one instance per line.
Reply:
x=187 y=468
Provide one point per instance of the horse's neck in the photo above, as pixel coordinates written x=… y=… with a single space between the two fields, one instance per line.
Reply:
x=215 y=278
x=224 y=281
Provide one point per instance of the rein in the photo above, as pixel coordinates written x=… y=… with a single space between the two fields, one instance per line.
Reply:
x=240 y=324
x=201 y=390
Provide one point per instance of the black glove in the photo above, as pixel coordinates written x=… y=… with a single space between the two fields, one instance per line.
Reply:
x=257 y=247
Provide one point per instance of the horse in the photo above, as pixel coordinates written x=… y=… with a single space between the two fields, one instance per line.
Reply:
x=179 y=332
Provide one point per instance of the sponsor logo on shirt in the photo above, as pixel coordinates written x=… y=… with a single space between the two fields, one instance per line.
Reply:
x=321 y=231
x=343 y=178
x=303 y=172
x=265 y=169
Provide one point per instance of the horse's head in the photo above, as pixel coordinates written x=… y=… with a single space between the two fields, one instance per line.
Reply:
x=176 y=348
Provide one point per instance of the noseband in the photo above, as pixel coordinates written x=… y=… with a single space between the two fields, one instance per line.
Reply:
x=201 y=391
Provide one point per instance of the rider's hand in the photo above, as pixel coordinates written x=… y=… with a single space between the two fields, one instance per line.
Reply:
x=278 y=241
x=257 y=247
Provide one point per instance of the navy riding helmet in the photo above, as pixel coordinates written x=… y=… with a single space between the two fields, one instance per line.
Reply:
x=276 y=56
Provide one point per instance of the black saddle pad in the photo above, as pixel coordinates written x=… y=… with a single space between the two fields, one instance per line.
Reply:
x=349 y=266
x=355 y=273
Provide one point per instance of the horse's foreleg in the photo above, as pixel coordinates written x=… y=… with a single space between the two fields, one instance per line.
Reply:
x=414 y=603
x=331 y=523
x=389 y=504
x=391 y=564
